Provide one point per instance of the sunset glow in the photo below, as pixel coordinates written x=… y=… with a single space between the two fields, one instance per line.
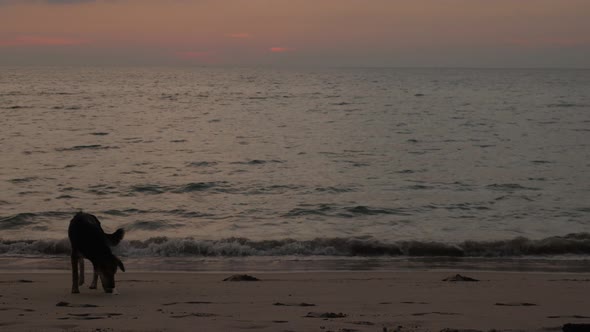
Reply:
x=330 y=32
x=280 y=49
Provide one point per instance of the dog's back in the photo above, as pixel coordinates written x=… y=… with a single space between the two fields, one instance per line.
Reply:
x=87 y=236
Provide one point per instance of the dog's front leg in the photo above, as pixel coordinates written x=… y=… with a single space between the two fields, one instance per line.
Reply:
x=94 y=280
x=81 y=274
x=74 y=258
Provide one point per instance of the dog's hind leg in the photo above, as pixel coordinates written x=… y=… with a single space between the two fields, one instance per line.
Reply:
x=94 y=280
x=81 y=274
x=74 y=259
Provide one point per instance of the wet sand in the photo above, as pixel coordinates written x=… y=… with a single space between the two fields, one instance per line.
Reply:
x=310 y=301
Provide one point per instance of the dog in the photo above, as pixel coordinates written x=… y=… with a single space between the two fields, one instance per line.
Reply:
x=89 y=241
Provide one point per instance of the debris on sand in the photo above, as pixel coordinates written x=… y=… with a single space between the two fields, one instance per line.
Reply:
x=302 y=304
x=71 y=305
x=362 y=323
x=516 y=304
x=325 y=315
x=458 y=277
x=194 y=314
x=435 y=313
x=571 y=316
x=187 y=302
x=241 y=277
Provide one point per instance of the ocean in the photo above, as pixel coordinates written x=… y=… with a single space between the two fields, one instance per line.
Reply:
x=260 y=162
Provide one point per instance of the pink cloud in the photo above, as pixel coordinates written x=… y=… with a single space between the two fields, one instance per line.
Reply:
x=277 y=49
x=239 y=35
x=41 y=41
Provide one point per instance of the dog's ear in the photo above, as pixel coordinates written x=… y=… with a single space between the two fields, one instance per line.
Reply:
x=120 y=264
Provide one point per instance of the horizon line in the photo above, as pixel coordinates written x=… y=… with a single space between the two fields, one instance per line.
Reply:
x=271 y=66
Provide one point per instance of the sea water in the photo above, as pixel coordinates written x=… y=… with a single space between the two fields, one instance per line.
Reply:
x=268 y=162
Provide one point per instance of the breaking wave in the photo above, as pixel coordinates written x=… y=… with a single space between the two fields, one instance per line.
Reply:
x=571 y=244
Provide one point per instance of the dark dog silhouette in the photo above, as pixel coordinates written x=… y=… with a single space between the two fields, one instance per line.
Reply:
x=89 y=241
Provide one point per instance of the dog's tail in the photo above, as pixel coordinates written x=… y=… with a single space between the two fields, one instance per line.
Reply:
x=116 y=237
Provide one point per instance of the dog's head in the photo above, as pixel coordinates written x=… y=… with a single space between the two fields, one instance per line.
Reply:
x=107 y=269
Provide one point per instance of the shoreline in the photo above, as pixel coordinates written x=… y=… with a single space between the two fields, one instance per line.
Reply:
x=410 y=300
x=293 y=264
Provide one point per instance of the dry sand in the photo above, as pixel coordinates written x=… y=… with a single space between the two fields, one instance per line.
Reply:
x=368 y=301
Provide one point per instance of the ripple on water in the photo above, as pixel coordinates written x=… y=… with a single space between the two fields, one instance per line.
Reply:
x=86 y=147
x=199 y=186
x=334 y=190
x=333 y=210
x=151 y=189
x=29 y=218
x=152 y=225
x=509 y=187
x=137 y=212
x=24 y=180
x=565 y=105
x=202 y=163
x=257 y=162
x=17 y=220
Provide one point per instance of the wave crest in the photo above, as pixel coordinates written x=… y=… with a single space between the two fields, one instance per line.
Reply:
x=571 y=244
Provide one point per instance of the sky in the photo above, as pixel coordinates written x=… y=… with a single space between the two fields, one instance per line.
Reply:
x=359 y=33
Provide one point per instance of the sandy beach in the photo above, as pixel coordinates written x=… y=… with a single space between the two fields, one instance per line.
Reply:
x=310 y=301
